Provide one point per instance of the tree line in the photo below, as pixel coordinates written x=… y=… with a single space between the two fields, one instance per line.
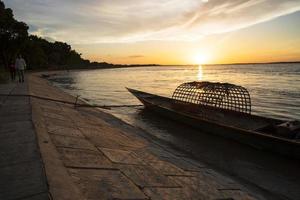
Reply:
x=38 y=52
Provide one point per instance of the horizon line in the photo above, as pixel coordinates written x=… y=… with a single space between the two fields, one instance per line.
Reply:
x=237 y=63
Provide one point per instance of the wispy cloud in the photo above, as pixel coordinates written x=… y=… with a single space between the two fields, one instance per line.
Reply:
x=136 y=56
x=99 y=21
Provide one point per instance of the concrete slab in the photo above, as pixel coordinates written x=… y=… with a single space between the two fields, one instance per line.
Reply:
x=52 y=128
x=19 y=181
x=121 y=156
x=236 y=195
x=13 y=152
x=181 y=163
x=158 y=151
x=17 y=136
x=204 y=186
x=209 y=188
x=21 y=170
x=106 y=184
x=171 y=194
x=9 y=117
x=16 y=126
x=84 y=159
x=162 y=154
x=145 y=176
x=105 y=139
x=72 y=142
x=115 y=135
x=56 y=122
x=92 y=120
x=15 y=110
x=143 y=154
x=166 y=168
x=14 y=102
x=57 y=115
x=193 y=162
x=61 y=185
x=70 y=132
x=51 y=108
x=43 y=196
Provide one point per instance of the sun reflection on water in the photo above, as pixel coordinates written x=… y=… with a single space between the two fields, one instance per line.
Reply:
x=200 y=73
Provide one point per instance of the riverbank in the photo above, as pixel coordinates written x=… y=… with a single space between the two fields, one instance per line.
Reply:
x=88 y=154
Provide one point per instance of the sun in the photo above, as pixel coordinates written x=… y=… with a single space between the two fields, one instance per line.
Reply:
x=201 y=58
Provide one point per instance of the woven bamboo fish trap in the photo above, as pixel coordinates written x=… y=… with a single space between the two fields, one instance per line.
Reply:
x=218 y=95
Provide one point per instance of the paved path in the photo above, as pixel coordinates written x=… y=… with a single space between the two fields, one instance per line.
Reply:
x=87 y=154
x=100 y=160
x=21 y=169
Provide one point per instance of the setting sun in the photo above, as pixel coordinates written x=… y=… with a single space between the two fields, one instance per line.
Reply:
x=201 y=58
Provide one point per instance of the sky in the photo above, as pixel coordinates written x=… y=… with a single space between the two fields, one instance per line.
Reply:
x=169 y=31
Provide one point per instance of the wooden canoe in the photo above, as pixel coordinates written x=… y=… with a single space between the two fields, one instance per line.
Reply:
x=256 y=131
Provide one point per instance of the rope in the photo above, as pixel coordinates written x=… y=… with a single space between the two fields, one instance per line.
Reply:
x=69 y=102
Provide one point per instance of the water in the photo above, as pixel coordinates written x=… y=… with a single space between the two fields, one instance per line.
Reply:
x=274 y=88
x=275 y=92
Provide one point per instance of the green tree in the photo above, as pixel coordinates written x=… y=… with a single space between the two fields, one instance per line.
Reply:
x=38 y=52
x=13 y=35
x=34 y=53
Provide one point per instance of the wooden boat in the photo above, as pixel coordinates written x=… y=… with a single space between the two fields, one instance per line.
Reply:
x=225 y=110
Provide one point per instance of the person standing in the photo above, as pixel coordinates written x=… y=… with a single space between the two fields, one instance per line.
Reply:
x=12 y=70
x=20 y=66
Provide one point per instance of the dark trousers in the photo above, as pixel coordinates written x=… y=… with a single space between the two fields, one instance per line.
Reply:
x=21 y=75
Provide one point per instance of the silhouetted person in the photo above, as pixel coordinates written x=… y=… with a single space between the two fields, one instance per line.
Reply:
x=12 y=70
x=20 y=66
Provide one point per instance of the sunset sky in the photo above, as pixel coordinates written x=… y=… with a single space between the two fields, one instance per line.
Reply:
x=169 y=31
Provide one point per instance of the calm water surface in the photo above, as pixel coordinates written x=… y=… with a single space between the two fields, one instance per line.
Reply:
x=274 y=88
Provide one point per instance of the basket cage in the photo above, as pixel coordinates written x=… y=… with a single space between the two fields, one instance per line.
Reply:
x=218 y=95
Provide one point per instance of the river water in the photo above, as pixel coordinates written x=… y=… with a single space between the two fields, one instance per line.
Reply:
x=274 y=90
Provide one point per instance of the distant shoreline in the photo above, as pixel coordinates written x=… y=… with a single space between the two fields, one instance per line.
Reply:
x=259 y=63
x=116 y=66
x=161 y=65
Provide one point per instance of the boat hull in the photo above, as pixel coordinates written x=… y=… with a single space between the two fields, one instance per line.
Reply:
x=286 y=147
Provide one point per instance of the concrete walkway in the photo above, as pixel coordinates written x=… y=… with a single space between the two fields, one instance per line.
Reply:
x=87 y=155
x=22 y=174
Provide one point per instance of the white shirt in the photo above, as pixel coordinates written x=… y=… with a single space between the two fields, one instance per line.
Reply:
x=20 y=64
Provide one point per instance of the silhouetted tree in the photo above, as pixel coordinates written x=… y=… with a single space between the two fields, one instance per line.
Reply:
x=13 y=34
x=34 y=52
x=38 y=52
